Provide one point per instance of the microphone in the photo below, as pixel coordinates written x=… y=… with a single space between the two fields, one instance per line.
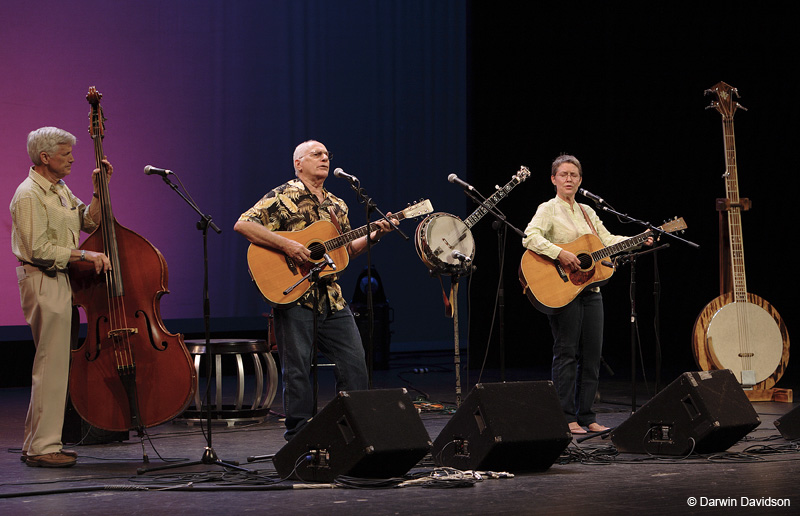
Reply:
x=590 y=195
x=344 y=175
x=460 y=256
x=454 y=179
x=150 y=170
x=329 y=261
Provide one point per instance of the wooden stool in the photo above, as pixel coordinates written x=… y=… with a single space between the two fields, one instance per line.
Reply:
x=244 y=408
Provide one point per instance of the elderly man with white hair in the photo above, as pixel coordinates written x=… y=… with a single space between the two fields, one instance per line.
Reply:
x=294 y=206
x=46 y=223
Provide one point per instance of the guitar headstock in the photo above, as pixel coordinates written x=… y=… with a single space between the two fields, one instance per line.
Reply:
x=676 y=224
x=96 y=119
x=420 y=208
x=724 y=104
x=522 y=174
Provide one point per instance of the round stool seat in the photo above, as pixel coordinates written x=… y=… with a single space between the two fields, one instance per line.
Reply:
x=254 y=391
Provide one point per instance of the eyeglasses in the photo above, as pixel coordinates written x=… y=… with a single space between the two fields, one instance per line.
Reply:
x=318 y=154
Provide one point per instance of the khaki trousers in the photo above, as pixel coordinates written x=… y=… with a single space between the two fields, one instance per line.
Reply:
x=47 y=304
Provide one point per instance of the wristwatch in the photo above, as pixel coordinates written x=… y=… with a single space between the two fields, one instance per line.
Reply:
x=83 y=255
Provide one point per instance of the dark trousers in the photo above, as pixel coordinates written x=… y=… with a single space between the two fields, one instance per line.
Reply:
x=577 y=348
x=339 y=341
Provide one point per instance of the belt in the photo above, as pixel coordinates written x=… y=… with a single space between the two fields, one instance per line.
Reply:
x=49 y=272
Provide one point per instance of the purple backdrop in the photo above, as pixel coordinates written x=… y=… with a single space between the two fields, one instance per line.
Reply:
x=220 y=93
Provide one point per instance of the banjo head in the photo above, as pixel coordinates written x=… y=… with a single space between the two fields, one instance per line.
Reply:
x=440 y=238
x=744 y=338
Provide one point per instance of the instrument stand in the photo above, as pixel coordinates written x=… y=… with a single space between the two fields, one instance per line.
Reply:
x=455 y=275
x=369 y=207
x=209 y=456
x=457 y=352
x=777 y=394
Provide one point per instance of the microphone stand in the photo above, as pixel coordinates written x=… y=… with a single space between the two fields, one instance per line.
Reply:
x=501 y=295
x=631 y=258
x=313 y=278
x=369 y=207
x=501 y=223
x=209 y=456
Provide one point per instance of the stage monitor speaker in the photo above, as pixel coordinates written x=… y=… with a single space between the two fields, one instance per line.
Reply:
x=702 y=412
x=516 y=426
x=366 y=434
x=789 y=424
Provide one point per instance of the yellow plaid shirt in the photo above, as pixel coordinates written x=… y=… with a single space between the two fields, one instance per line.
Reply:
x=291 y=207
x=46 y=222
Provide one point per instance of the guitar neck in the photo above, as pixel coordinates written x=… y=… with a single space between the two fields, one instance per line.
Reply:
x=490 y=203
x=617 y=248
x=345 y=238
x=734 y=213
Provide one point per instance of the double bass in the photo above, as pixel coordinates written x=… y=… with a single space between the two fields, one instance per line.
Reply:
x=130 y=373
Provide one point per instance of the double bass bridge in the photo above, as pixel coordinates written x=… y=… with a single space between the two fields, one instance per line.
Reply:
x=122 y=332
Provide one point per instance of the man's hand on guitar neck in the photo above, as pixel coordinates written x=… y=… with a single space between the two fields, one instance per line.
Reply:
x=382 y=227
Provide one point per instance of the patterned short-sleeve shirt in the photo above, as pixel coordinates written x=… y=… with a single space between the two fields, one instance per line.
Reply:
x=292 y=207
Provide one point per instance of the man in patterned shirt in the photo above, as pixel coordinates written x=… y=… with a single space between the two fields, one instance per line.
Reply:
x=46 y=223
x=293 y=206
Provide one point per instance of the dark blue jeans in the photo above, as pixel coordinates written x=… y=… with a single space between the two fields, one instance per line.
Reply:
x=339 y=341
x=577 y=348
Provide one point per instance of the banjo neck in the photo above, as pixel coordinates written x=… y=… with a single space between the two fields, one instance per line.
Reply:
x=727 y=107
x=499 y=195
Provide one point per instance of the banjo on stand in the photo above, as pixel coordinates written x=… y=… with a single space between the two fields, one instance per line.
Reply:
x=445 y=245
x=444 y=242
x=739 y=330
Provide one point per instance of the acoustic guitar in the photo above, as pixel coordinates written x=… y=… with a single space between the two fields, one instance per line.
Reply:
x=550 y=287
x=279 y=278
x=739 y=330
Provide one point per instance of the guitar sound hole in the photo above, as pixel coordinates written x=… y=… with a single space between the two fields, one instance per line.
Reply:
x=586 y=261
x=317 y=251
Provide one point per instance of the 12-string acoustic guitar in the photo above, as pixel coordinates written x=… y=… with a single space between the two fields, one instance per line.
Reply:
x=739 y=330
x=550 y=288
x=277 y=276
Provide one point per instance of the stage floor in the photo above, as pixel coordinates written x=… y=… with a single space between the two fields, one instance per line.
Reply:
x=751 y=477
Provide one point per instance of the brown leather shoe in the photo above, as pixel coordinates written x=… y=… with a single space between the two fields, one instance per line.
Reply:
x=68 y=453
x=50 y=460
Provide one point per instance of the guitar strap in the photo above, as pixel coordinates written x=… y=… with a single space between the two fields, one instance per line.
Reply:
x=335 y=219
x=585 y=216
